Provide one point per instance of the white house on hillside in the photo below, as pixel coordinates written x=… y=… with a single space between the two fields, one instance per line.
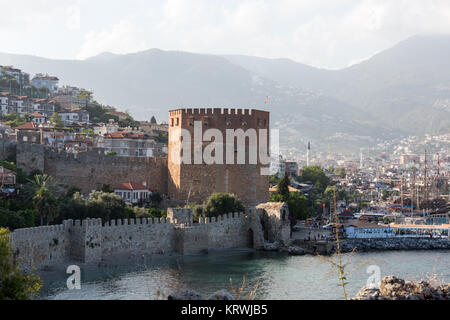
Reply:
x=133 y=192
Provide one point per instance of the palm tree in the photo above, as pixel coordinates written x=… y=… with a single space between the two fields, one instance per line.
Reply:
x=41 y=191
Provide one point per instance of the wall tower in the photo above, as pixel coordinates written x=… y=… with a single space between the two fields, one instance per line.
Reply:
x=196 y=181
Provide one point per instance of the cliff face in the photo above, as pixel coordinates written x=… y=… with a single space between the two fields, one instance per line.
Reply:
x=393 y=288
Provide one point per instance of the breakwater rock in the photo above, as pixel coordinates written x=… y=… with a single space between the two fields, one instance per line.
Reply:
x=193 y=295
x=393 y=288
x=362 y=245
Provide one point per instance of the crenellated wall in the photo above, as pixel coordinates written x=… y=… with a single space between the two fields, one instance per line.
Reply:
x=233 y=230
x=35 y=247
x=90 y=170
x=90 y=240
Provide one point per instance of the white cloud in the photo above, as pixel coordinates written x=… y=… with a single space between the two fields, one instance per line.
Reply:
x=123 y=37
x=326 y=33
x=74 y=17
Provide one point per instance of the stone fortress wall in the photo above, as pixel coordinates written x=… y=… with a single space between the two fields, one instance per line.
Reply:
x=187 y=182
x=7 y=148
x=89 y=241
x=90 y=170
x=195 y=182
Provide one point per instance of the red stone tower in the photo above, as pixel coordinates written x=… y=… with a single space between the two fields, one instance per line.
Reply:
x=196 y=182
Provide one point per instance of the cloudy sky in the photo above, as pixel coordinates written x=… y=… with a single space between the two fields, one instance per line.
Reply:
x=323 y=33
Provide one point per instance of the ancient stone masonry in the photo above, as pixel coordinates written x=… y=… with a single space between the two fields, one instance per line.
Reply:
x=275 y=222
x=188 y=182
x=7 y=148
x=196 y=182
x=90 y=170
x=90 y=241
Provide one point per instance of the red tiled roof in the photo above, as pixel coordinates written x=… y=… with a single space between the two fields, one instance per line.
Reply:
x=47 y=78
x=28 y=126
x=37 y=115
x=131 y=186
x=125 y=134
x=5 y=172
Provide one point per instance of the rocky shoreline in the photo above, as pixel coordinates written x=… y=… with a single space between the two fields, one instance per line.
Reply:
x=393 y=288
x=366 y=245
x=359 y=245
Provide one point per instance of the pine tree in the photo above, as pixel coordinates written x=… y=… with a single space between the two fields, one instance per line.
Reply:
x=283 y=187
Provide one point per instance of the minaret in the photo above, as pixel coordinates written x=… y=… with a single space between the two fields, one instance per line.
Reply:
x=308 y=154
x=361 y=160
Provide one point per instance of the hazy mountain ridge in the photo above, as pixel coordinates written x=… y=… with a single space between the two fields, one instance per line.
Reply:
x=406 y=87
x=395 y=92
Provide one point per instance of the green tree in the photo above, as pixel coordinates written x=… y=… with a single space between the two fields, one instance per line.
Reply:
x=107 y=206
x=14 y=283
x=297 y=203
x=162 y=138
x=55 y=119
x=71 y=191
x=341 y=172
x=153 y=120
x=41 y=190
x=13 y=119
x=222 y=203
x=156 y=198
x=128 y=121
x=107 y=188
x=16 y=219
x=85 y=96
x=385 y=195
x=274 y=179
x=283 y=187
x=316 y=176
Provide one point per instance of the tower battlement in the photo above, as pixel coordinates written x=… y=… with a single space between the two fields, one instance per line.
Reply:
x=196 y=182
x=214 y=111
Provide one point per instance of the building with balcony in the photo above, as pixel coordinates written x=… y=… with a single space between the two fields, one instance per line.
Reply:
x=129 y=144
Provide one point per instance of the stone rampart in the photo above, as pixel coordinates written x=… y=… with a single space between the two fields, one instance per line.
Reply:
x=90 y=170
x=89 y=241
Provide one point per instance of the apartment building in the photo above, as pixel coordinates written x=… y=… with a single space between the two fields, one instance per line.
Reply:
x=45 y=81
x=22 y=78
x=129 y=144
x=69 y=116
x=24 y=105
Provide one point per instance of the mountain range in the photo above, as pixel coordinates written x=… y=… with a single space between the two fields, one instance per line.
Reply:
x=404 y=90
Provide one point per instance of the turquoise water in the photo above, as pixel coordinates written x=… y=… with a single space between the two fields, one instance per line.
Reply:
x=278 y=276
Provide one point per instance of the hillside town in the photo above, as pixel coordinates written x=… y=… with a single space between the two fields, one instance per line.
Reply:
x=405 y=182
x=67 y=159
x=62 y=119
